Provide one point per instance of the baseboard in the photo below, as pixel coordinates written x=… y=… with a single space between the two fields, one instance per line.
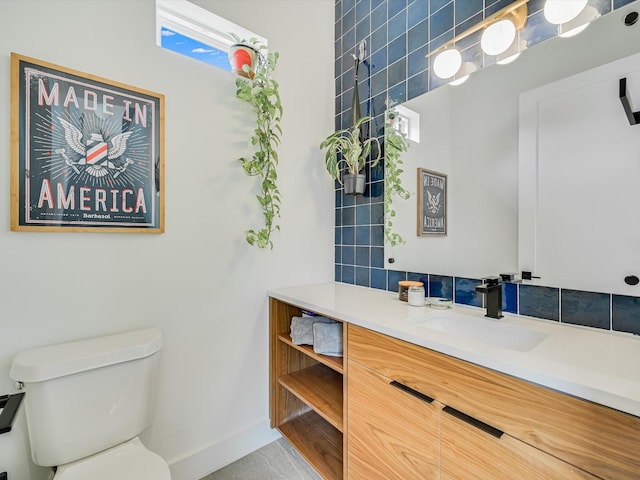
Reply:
x=220 y=454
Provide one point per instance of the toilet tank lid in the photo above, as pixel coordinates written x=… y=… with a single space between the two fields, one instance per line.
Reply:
x=45 y=363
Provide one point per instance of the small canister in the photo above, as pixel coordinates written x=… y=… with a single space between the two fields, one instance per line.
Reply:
x=416 y=296
x=403 y=289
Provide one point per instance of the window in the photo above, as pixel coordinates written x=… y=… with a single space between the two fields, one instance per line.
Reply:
x=195 y=32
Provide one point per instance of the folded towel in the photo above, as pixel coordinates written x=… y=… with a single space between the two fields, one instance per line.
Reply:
x=327 y=339
x=302 y=329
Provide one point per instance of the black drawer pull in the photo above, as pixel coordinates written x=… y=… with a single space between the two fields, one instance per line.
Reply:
x=473 y=421
x=411 y=391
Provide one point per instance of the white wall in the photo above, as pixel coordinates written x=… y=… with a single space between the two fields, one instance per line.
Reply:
x=199 y=282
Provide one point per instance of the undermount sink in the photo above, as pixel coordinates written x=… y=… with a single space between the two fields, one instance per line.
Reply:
x=492 y=332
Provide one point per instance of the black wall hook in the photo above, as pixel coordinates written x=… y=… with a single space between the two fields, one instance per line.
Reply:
x=633 y=117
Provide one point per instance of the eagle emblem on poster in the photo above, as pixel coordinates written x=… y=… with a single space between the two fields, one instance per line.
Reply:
x=98 y=158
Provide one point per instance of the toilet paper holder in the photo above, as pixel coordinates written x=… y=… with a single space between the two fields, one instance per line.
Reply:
x=9 y=405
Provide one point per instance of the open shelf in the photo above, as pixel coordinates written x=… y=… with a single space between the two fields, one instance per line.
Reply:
x=318 y=442
x=319 y=387
x=306 y=395
x=335 y=363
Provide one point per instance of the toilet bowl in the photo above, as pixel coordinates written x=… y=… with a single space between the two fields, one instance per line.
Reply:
x=128 y=461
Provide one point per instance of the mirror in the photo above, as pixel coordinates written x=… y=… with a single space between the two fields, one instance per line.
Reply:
x=471 y=134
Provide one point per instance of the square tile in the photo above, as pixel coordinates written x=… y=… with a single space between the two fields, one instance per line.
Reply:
x=363 y=256
x=393 y=279
x=467 y=9
x=379 y=278
x=395 y=7
x=377 y=257
x=348 y=255
x=348 y=236
x=397 y=48
x=363 y=235
x=465 y=289
x=625 y=314
x=348 y=274
x=362 y=276
x=539 y=302
x=417 y=11
x=586 y=308
x=441 y=286
x=441 y=21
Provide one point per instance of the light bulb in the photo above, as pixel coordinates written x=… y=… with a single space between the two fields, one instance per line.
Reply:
x=563 y=11
x=498 y=37
x=447 y=63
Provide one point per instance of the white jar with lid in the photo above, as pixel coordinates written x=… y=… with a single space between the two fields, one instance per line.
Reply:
x=415 y=295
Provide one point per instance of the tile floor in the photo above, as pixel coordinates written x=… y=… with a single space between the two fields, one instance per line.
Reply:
x=275 y=461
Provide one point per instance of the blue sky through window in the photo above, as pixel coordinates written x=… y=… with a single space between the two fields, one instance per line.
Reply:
x=179 y=43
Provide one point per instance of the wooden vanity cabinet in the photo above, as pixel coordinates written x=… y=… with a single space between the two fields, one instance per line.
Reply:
x=541 y=430
x=306 y=395
x=395 y=410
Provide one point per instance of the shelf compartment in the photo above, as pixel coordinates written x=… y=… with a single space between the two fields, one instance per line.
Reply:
x=335 y=363
x=319 y=387
x=318 y=443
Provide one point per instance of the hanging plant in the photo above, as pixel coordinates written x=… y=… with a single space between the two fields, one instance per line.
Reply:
x=257 y=87
x=395 y=143
x=346 y=148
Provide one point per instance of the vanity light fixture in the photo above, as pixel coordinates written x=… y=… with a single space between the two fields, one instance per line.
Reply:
x=501 y=32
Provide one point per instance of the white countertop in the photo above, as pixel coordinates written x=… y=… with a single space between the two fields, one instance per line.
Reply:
x=597 y=365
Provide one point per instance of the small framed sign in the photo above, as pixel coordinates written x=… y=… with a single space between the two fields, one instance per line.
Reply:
x=432 y=203
x=87 y=153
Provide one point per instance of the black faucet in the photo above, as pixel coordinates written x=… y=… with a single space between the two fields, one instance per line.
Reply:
x=491 y=287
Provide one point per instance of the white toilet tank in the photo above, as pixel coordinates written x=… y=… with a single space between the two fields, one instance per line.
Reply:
x=86 y=396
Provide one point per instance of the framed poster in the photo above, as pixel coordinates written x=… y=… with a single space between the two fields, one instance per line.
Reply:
x=87 y=153
x=432 y=203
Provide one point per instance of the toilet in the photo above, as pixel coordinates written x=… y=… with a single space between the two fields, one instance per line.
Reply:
x=87 y=401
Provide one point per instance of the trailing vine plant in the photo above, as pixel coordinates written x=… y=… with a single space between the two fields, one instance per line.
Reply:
x=261 y=91
x=395 y=143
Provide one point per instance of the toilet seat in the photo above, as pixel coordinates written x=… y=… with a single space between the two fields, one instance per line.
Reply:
x=127 y=461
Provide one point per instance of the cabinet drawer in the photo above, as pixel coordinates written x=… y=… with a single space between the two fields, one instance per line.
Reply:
x=468 y=452
x=597 y=439
x=391 y=433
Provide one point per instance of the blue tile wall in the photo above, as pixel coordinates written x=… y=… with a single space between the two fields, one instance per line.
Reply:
x=398 y=36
